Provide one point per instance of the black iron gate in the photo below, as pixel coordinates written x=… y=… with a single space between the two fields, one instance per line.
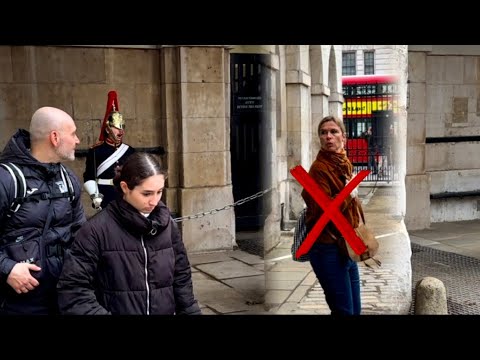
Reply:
x=379 y=152
x=370 y=112
x=248 y=89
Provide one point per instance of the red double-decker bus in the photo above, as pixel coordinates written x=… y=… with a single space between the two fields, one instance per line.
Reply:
x=369 y=101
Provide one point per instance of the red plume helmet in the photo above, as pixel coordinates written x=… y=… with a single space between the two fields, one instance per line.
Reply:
x=112 y=105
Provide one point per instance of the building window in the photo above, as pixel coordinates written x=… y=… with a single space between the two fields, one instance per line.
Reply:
x=348 y=63
x=368 y=62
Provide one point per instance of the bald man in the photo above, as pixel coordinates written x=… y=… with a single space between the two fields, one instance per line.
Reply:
x=35 y=231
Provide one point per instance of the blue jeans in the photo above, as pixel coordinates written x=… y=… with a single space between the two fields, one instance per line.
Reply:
x=338 y=275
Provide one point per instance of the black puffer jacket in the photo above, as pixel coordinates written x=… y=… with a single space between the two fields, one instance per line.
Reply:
x=124 y=263
x=21 y=235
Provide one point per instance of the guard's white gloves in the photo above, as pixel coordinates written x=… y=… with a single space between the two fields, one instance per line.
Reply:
x=92 y=189
x=97 y=201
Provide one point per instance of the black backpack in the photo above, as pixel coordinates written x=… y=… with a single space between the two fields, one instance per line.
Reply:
x=21 y=188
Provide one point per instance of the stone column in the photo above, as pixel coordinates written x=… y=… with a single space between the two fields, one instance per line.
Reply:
x=298 y=118
x=319 y=92
x=271 y=228
x=333 y=74
x=197 y=130
x=417 y=181
x=335 y=102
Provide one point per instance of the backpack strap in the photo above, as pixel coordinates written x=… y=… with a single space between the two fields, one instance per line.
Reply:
x=20 y=187
x=66 y=179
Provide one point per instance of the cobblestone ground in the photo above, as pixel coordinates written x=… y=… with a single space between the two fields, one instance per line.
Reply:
x=460 y=275
x=377 y=293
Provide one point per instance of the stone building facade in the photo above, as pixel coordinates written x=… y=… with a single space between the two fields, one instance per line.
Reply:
x=172 y=97
x=179 y=99
x=443 y=134
x=384 y=57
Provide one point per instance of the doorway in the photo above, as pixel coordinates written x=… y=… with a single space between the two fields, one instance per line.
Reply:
x=247 y=109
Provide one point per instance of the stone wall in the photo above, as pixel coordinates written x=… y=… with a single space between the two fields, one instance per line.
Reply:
x=443 y=103
x=77 y=80
x=174 y=97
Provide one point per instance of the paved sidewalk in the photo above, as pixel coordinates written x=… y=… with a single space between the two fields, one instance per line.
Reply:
x=384 y=290
x=459 y=237
x=229 y=283
x=236 y=282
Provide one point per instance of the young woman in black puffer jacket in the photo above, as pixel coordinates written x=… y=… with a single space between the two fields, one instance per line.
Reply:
x=129 y=259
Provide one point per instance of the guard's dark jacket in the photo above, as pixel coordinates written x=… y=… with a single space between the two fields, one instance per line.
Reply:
x=124 y=263
x=21 y=237
x=96 y=155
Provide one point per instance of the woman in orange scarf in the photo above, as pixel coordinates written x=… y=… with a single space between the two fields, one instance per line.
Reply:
x=337 y=273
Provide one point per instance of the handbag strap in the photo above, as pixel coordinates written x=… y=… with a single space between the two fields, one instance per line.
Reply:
x=360 y=210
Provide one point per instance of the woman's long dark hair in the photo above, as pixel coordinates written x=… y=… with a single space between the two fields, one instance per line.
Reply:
x=136 y=169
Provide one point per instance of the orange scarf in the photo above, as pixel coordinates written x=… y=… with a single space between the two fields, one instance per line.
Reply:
x=330 y=171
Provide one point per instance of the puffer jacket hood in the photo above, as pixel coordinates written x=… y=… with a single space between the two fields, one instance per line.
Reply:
x=17 y=149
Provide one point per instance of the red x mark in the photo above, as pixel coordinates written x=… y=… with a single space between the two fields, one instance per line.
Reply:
x=331 y=210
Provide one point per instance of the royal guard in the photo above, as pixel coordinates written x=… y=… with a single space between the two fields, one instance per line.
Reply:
x=103 y=157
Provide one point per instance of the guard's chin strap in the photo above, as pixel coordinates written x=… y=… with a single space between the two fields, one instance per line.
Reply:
x=112 y=138
x=109 y=141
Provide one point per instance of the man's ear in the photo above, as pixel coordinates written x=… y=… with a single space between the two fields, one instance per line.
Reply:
x=54 y=138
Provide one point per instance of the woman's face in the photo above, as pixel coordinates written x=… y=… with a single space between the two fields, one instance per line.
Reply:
x=331 y=137
x=145 y=196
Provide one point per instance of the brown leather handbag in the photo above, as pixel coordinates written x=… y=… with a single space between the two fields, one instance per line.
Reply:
x=368 y=238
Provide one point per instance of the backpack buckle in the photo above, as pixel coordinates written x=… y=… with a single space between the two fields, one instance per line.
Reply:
x=55 y=250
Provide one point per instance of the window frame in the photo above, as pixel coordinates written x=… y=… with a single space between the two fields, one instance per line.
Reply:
x=371 y=62
x=349 y=64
